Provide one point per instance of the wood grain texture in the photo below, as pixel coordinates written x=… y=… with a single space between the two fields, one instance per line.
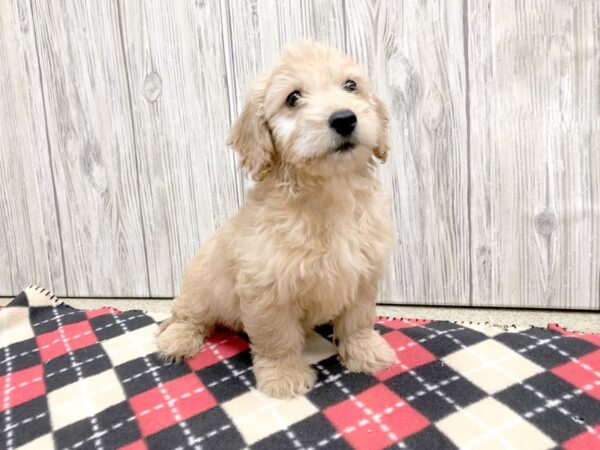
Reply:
x=114 y=169
x=257 y=30
x=414 y=52
x=188 y=178
x=92 y=147
x=30 y=247
x=535 y=153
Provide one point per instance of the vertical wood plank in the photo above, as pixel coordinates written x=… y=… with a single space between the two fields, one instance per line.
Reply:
x=188 y=178
x=30 y=249
x=258 y=29
x=91 y=139
x=535 y=153
x=414 y=52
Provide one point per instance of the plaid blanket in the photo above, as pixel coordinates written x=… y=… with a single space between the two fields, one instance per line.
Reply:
x=74 y=379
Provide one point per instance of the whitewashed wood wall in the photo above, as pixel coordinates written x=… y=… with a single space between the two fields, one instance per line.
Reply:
x=113 y=115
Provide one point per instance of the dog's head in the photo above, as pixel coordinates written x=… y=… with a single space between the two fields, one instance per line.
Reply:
x=314 y=110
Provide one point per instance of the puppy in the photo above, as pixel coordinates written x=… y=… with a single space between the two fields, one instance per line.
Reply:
x=313 y=239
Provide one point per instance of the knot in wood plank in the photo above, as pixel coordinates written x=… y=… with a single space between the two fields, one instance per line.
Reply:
x=433 y=110
x=546 y=222
x=404 y=81
x=152 y=86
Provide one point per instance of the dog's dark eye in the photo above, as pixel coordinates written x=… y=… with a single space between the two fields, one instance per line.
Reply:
x=349 y=86
x=293 y=98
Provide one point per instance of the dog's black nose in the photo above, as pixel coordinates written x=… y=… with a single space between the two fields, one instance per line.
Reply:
x=343 y=122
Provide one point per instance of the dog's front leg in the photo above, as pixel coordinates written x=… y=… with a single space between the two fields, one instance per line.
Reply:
x=361 y=348
x=277 y=340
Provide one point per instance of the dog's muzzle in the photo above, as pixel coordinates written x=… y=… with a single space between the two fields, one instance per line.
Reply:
x=345 y=147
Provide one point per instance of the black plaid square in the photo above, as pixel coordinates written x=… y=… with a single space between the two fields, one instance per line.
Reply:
x=443 y=338
x=229 y=379
x=20 y=300
x=42 y=322
x=546 y=349
x=112 y=428
x=382 y=329
x=313 y=432
x=329 y=372
x=19 y=355
x=139 y=375
x=67 y=369
x=429 y=438
x=210 y=430
x=435 y=390
x=26 y=422
x=108 y=326
x=325 y=330
x=554 y=406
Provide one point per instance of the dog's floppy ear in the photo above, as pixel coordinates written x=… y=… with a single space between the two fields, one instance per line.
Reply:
x=383 y=144
x=250 y=135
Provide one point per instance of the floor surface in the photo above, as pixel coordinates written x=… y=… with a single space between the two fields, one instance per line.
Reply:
x=579 y=320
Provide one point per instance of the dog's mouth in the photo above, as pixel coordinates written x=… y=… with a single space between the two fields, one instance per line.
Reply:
x=345 y=147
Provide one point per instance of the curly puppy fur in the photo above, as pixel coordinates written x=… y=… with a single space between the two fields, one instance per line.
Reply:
x=314 y=236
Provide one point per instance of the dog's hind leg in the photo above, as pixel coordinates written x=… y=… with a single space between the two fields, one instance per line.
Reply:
x=206 y=299
x=180 y=339
x=182 y=335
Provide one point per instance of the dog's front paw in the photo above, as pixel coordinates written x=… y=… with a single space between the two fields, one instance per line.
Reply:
x=178 y=341
x=282 y=378
x=367 y=354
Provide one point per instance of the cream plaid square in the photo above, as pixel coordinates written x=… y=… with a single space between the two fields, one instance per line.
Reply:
x=39 y=298
x=131 y=345
x=489 y=425
x=317 y=348
x=491 y=365
x=257 y=416
x=84 y=398
x=15 y=324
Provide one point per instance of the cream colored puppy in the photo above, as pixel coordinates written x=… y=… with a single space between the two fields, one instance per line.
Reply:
x=314 y=237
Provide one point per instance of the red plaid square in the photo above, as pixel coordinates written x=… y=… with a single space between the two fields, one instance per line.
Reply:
x=73 y=336
x=398 y=324
x=582 y=373
x=371 y=419
x=223 y=344
x=22 y=386
x=101 y=312
x=590 y=440
x=410 y=354
x=174 y=401
x=137 y=445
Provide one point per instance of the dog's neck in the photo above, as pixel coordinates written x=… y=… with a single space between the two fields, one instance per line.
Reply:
x=316 y=192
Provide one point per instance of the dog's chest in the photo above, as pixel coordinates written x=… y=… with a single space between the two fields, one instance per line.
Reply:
x=319 y=250
x=335 y=261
